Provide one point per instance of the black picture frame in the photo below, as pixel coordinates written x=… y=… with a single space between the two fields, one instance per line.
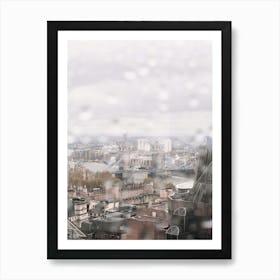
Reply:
x=52 y=102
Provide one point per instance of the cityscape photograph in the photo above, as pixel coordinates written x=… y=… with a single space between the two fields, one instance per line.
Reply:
x=139 y=139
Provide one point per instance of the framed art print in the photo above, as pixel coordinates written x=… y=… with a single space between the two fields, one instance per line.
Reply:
x=139 y=140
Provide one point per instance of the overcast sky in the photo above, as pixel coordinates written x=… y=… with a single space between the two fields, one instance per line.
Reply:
x=144 y=88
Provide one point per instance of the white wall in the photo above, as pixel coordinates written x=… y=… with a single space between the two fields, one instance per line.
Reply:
x=255 y=139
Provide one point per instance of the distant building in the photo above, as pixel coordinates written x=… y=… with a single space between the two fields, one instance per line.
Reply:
x=165 y=192
x=98 y=194
x=124 y=162
x=146 y=227
x=184 y=187
x=158 y=161
x=77 y=210
x=161 y=145
x=190 y=207
x=135 y=177
x=74 y=232
x=110 y=226
x=139 y=161
x=80 y=209
x=149 y=188
x=166 y=145
x=143 y=145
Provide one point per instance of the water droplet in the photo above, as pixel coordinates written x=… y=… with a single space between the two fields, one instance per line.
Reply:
x=143 y=71
x=115 y=121
x=192 y=64
x=204 y=90
x=163 y=107
x=129 y=75
x=163 y=95
x=103 y=139
x=152 y=62
x=119 y=57
x=190 y=86
x=112 y=100
x=85 y=116
x=193 y=103
x=199 y=138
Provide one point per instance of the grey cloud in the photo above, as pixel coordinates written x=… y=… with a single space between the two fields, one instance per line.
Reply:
x=113 y=79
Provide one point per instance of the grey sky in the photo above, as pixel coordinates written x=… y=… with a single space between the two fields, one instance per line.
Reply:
x=142 y=88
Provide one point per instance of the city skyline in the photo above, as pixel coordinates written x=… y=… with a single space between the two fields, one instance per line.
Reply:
x=139 y=114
